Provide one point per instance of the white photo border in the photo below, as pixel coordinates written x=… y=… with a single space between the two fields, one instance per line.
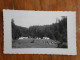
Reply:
x=71 y=34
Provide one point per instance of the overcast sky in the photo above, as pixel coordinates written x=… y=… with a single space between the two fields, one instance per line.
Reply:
x=30 y=18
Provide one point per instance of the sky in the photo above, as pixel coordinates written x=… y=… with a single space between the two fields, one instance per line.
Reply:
x=30 y=18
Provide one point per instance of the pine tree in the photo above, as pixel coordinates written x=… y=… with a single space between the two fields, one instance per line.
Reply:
x=15 y=31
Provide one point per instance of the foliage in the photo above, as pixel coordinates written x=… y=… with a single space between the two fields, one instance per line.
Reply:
x=55 y=31
x=15 y=31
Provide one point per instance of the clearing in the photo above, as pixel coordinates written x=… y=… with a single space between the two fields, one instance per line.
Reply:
x=34 y=43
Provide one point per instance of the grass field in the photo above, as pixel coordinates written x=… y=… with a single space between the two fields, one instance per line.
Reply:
x=34 y=43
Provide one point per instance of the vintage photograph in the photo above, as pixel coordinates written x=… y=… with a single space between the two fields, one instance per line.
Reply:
x=39 y=33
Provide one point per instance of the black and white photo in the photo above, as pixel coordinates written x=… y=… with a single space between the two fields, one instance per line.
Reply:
x=39 y=32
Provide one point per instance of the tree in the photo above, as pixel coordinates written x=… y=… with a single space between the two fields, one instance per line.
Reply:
x=15 y=31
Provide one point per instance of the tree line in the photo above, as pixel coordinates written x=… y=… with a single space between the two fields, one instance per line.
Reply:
x=55 y=31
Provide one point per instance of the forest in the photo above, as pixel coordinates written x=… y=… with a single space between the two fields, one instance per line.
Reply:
x=55 y=31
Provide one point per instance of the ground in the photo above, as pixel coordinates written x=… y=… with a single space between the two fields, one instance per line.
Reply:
x=34 y=43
